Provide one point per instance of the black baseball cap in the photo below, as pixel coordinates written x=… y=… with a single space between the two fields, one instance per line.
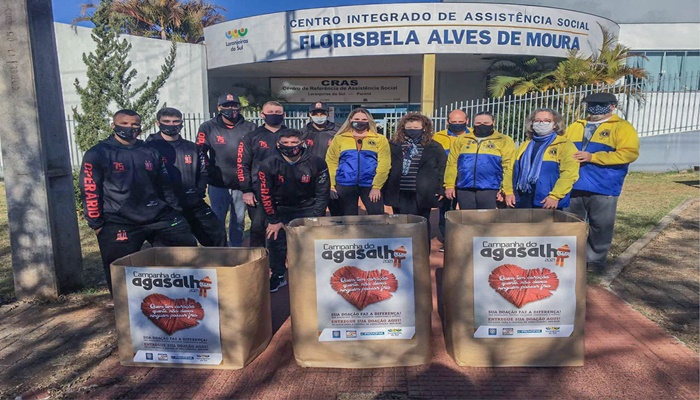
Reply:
x=228 y=98
x=318 y=106
x=601 y=98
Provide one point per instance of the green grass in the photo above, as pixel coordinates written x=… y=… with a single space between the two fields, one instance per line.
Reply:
x=645 y=199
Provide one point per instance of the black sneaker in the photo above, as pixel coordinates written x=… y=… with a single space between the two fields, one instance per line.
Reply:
x=276 y=282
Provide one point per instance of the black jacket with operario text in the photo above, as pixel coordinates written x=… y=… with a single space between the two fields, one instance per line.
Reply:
x=125 y=184
x=219 y=142
x=187 y=167
x=293 y=187
x=317 y=141
x=254 y=148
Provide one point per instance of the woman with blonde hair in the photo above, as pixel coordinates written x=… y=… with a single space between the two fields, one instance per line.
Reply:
x=417 y=167
x=545 y=169
x=358 y=163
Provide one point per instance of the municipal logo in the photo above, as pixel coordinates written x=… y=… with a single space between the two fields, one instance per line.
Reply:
x=336 y=334
x=507 y=331
x=350 y=334
x=236 y=33
x=493 y=331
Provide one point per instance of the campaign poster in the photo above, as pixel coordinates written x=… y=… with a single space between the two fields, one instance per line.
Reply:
x=174 y=315
x=524 y=287
x=364 y=289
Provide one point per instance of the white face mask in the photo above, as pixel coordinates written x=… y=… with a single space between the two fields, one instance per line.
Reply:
x=543 y=128
x=319 y=120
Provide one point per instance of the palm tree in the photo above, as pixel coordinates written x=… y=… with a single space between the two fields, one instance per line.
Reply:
x=610 y=63
x=179 y=21
x=519 y=75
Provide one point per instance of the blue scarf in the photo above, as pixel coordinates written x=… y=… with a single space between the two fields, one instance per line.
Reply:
x=530 y=168
x=410 y=150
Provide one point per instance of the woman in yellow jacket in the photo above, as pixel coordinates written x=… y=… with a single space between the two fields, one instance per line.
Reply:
x=358 y=161
x=545 y=170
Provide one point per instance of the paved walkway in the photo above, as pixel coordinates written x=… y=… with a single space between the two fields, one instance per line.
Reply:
x=627 y=357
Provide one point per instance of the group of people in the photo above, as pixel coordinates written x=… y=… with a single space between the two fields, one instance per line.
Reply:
x=154 y=190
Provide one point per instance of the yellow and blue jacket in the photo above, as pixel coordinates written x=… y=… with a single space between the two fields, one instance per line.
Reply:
x=367 y=167
x=446 y=138
x=558 y=173
x=614 y=146
x=484 y=165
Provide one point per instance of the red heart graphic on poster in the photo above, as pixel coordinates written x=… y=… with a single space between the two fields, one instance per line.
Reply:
x=521 y=286
x=172 y=315
x=362 y=288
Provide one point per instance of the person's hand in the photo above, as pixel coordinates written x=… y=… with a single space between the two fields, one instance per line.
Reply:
x=375 y=195
x=273 y=229
x=249 y=199
x=450 y=193
x=440 y=197
x=97 y=231
x=583 y=156
x=549 y=203
x=510 y=200
x=499 y=196
x=334 y=194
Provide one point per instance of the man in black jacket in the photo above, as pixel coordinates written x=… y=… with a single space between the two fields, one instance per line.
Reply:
x=318 y=135
x=187 y=165
x=219 y=139
x=253 y=149
x=127 y=195
x=293 y=184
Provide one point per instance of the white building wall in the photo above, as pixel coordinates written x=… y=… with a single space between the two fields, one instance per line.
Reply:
x=186 y=89
x=665 y=37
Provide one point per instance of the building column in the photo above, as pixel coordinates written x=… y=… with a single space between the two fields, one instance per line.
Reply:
x=427 y=105
x=44 y=236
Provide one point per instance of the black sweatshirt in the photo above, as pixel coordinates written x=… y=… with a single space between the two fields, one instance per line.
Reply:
x=124 y=184
x=254 y=148
x=301 y=186
x=219 y=142
x=187 y=167
x=318 y=140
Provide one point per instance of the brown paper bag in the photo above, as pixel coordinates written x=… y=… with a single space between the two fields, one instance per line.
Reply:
x=515 y=288
x=192 y=307
x=360 y=291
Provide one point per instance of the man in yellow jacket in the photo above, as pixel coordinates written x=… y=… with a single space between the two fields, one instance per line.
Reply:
x=457 y=122
x=606 y=145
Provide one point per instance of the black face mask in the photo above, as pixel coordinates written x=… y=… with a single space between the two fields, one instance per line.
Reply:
x=171 y=130
x=291 y=151
x=360 y=126
x=414 y=134
x=481 y=131
x=126 y=132
x=274 y=119
x=456 y=128
x=229 y=113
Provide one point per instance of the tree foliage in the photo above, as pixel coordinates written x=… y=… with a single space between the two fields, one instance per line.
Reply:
x=522 y=75
x=110 y=79
x=175 y=20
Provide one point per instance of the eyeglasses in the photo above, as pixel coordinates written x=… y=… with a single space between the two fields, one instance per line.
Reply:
x=543 y=120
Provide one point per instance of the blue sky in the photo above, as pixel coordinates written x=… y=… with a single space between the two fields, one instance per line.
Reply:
x=66 y=10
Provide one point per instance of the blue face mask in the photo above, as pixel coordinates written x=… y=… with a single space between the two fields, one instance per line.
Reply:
x=598 y=108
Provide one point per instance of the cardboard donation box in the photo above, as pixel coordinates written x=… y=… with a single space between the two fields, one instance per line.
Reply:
x=192 y=307
x=514 y=288
x=360 y=291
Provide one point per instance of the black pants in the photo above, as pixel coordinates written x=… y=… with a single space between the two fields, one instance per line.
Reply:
x=445 y=206
x=205 y=225
x=277 y=248
x=258 y=224
x=335 y=207
x=117 y=240
x=408 y=204
x=475 y=199
x=348 y=196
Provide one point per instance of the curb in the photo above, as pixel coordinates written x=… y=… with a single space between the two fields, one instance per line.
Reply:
x=626 y=257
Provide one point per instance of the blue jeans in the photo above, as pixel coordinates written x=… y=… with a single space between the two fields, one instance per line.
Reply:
x=223 y=200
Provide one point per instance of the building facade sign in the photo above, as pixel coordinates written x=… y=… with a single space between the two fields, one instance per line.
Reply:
x=341 y=89
x=401 y=29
